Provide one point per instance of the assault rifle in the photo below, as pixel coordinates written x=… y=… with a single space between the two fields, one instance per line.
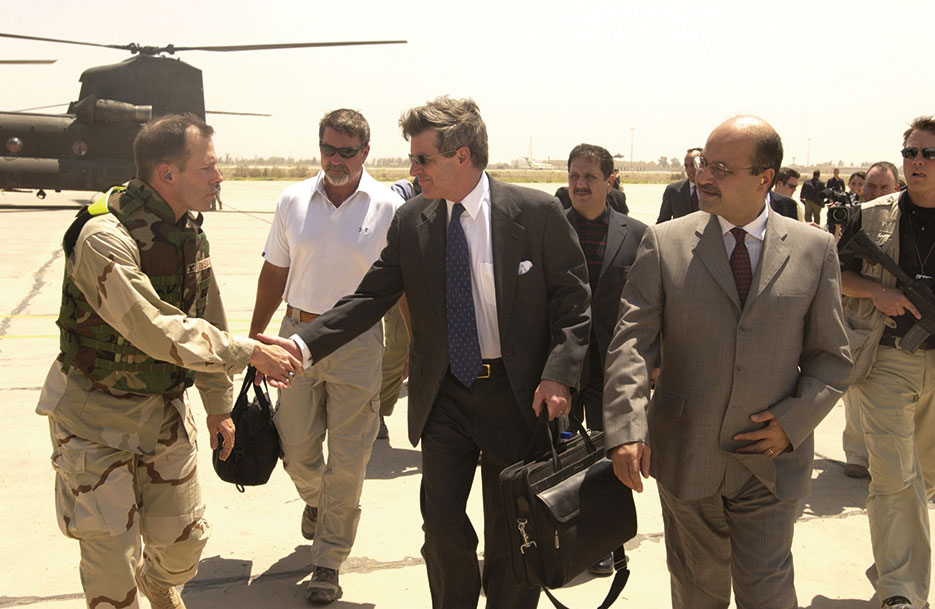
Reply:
x=917 y=290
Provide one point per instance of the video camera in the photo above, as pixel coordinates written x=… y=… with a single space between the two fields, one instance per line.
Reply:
x=843 y=208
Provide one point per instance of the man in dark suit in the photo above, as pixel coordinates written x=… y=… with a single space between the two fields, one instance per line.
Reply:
x=681 y=198
x=617 y=199
x=785 y=185
x=783 y=205
x=728 y=437
x=811 y=197
x=500 y=321
x=609 y=240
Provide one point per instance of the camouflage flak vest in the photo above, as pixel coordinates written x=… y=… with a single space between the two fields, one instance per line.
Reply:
x=175 y=258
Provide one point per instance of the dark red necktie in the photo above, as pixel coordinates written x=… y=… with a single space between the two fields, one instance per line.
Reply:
x=694 y=199
x=740 y=265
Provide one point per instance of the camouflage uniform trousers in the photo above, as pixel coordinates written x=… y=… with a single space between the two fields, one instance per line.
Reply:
x=394 y=359
x=108 y=499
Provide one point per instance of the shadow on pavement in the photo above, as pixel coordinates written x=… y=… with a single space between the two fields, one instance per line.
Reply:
x=820 y=602
x=226 y=582
x=387 y=462
x=832 y=491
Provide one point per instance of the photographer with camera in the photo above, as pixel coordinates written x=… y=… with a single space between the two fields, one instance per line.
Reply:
x=811 y=197
x=895 y=391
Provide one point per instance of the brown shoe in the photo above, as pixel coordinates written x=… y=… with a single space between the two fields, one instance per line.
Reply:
x=854 y=470
x=323 y=588
x=309 y=522
x=160 y=595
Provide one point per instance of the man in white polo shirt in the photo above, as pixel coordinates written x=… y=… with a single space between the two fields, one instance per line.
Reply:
x=326 y=233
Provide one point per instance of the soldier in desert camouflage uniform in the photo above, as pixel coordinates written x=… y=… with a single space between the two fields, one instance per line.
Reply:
x=141 y=320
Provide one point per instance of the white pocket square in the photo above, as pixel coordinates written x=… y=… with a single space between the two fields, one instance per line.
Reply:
x=524 y=267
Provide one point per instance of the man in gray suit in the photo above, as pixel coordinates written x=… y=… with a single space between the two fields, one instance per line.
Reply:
x=730 y=423
x=681 y=198
x=497 y=290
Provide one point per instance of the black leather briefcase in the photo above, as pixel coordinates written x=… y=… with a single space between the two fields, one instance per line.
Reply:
x=567 y=512
x=256 y=441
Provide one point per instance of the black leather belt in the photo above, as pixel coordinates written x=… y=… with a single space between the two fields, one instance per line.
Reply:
x=888 y=340
x=491 y=368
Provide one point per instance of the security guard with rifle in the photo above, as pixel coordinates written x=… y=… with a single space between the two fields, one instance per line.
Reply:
x=888 y=265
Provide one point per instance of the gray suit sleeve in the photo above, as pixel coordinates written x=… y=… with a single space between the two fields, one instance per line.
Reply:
x=634 y=349
x=825 y=362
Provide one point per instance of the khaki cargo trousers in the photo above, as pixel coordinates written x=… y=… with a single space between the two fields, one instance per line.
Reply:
x=338 y=397
x=394 y=359
x=110 y=500
x=897 y=413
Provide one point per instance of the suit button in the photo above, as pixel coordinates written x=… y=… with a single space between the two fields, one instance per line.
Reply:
x=742 y=329
x=738 y=368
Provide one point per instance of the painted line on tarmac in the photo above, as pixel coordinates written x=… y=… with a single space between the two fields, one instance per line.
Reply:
x=37 y=284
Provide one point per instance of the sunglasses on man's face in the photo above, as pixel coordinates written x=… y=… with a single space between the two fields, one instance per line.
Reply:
x=346 y=152
x=912 y=152
x=422 y=159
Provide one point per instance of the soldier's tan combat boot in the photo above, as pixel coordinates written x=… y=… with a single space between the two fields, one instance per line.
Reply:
x=160 y=596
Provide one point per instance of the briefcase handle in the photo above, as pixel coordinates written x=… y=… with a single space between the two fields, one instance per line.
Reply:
x=576 y=426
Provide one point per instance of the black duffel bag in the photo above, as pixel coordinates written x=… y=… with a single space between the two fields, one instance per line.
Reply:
x=256 y=442
x=566 y=512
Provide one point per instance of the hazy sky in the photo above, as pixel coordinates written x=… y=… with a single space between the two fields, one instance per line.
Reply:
x=847 y=75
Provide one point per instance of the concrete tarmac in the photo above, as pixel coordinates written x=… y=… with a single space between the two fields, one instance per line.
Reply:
x=256 y=557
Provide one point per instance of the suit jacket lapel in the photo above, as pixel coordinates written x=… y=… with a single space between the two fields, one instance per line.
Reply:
x=710 y=250
x=773 y=256
x=431 y=233
x=507 y=242
x=616 y=233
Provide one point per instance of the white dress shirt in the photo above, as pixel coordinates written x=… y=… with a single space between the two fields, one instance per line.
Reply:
x=756 y=231
x=476 y=224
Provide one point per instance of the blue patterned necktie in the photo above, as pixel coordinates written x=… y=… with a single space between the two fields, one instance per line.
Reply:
x=463 y=346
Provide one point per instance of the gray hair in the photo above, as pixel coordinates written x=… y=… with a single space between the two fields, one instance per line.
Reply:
x=457 y=122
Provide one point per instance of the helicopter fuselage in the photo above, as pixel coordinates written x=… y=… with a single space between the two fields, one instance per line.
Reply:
x=91 y=147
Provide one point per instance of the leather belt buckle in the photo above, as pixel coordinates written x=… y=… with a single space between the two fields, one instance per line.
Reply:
x=485 y=372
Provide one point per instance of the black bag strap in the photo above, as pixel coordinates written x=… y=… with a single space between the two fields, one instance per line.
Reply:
x=621 y=576
x=262 y=397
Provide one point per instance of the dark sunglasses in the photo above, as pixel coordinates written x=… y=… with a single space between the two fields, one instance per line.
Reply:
x=346 y=152
x=422 y=159
x=912 y=152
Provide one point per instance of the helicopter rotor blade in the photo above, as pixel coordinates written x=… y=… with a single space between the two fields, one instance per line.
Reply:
x=41 y=107
x=236 y=113
x=26 y=61
x=122 y=47
x=289 y=45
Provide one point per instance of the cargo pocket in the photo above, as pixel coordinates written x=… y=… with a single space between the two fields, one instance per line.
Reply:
x=892 y=461
x=94 y=491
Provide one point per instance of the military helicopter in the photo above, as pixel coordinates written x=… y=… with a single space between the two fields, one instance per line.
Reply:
x=90 y=147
